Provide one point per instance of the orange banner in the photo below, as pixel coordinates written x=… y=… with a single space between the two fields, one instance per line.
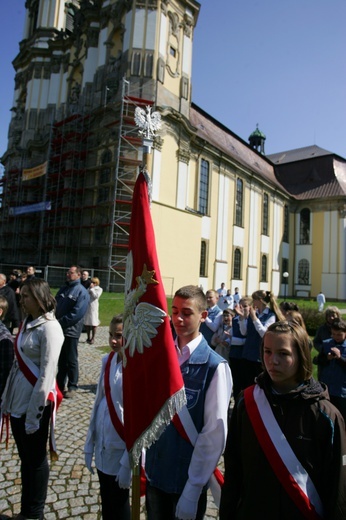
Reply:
x=37 y=171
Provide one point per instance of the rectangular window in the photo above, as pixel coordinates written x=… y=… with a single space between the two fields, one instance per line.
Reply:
x=265 y=215
x=239 y=204
x=237 y=264
x=204 y=188
x=264 y=263
x=203 y=259
x=285 y=237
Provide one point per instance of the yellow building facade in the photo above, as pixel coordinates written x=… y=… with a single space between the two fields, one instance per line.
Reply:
x=222 y=210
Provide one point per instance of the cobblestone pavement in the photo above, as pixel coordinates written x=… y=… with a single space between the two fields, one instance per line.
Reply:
x=73 y=492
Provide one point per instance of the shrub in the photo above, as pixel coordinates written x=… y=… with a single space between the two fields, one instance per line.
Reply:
x=312 y=319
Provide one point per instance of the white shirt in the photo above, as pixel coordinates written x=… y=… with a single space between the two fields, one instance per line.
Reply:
x=212 y=438
x=236 y=297
x=214 y=325
x=260 y=327
x=102 y=438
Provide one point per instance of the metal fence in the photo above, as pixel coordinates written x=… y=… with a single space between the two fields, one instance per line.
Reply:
x=56 y=276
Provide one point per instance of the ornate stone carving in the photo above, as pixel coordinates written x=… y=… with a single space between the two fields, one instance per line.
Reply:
x=164 y=6
x=19 y=80
x=158 y=143
x=75 y=93
x=183 y=155
x=187 y=25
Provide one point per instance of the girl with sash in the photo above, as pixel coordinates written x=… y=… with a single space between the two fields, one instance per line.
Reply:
x=285 y=456
x=30 y=396
x=105 y=437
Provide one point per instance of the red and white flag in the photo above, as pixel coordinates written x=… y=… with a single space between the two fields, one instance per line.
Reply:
x=153 y=387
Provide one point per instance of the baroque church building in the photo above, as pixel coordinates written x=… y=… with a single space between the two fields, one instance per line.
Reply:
x=223 y=211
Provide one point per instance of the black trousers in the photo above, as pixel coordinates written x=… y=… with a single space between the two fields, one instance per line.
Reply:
x=115 y=500
x=162 y=506
x=32 y=451
x=68 y=369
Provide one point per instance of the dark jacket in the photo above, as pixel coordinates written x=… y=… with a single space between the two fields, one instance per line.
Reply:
x=72 y=302
x=314 y=429
x=6 y=355
x=12 y=315
x=323 y=332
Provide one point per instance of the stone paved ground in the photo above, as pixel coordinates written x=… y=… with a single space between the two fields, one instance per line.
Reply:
x=73 y=492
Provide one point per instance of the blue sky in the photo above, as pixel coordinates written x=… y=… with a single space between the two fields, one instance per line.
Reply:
x=277 y=64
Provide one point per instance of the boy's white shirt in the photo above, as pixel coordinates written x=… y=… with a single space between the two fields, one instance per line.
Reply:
x=211 y=441
x=102 y=438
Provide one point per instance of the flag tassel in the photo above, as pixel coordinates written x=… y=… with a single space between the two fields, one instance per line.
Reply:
x=172 y=406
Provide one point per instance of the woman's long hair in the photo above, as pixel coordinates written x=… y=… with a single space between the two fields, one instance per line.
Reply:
x=40 y=291
x=268 y=299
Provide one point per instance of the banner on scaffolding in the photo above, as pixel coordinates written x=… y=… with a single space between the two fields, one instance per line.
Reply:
x=37 y=171
x=32 y=208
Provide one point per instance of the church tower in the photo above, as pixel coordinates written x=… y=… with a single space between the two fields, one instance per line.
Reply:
x=256 y=140
x=76 y=53
x=82 y=68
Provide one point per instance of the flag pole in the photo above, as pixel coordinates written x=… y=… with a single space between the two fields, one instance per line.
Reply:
x=136 y=493
x=147 y=131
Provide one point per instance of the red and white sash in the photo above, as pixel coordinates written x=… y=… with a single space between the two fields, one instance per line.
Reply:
x=289 y=471
x=118 y=425
x=187 y=429
x=32 y=373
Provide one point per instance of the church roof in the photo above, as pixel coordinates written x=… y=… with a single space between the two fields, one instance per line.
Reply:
x=226 y=141
x=311 y=172
x=299 y=154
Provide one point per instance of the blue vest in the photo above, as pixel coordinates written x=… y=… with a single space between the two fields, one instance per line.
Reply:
x=253 y=341
x=167 y=460
x=204 y=329
x=236 y=351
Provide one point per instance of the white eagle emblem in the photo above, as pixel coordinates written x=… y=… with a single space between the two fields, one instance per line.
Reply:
x=147 y=122
x=140 y=321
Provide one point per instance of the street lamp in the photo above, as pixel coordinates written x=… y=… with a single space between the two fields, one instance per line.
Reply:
x=285 y=275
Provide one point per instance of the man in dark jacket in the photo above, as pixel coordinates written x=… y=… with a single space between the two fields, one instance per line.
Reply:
x=12 y=316
x=72 y=302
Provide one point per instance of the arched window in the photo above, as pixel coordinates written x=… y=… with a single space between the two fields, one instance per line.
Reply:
x=265 y=216
x=204 y=188
x=237 y=264
x=239 y=204
x=285 y=236
x=303 y=272
x=203 y=259
x=264 y=268
x=304 y=234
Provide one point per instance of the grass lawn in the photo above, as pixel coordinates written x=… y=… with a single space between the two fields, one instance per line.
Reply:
x=113 y=303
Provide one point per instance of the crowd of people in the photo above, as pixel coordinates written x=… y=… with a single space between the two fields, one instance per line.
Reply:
x=283 y=439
